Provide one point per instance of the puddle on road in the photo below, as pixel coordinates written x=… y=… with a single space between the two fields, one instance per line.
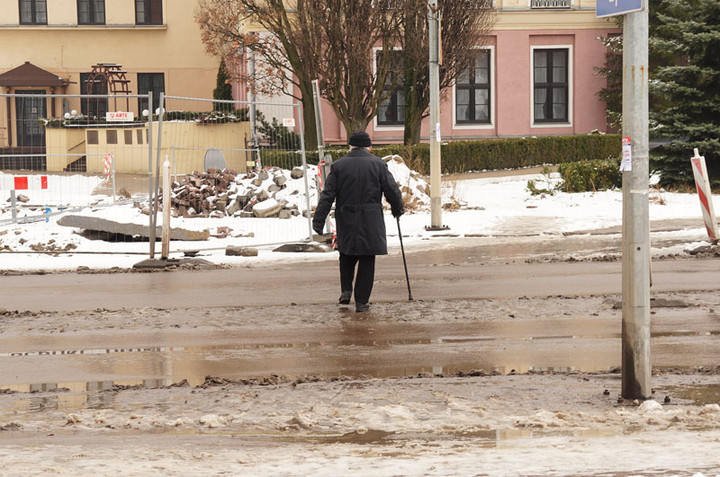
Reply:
x=81 y=377
x=696 y=394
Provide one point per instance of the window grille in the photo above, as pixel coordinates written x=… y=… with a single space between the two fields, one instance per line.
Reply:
x=550 y=4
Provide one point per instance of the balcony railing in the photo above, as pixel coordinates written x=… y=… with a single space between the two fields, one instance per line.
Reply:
x=550 y=4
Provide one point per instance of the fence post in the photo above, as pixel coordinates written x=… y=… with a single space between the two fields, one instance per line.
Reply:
x=154 y=205
x=166 y=210
x=13 y=205
x=112 y=171
x=151 y=226
x=305 y=171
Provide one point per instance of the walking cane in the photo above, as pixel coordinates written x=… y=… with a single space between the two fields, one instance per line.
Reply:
x=407 y=279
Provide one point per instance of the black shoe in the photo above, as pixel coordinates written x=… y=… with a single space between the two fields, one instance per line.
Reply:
x=345 y=298
x=360 y=307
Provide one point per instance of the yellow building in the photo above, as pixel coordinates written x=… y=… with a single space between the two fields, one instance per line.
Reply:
x=70 y=47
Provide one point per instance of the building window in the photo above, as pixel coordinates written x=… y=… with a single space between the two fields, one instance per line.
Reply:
x=147 y=82
x=33 y=12
x=94 y=107
x=148 y=12
x=92 y=137
x=91 y=12
x=472 y=91
x=139 y=136
x=392 y=106
x=111 y=136
x=550 y=83
x=128 y=137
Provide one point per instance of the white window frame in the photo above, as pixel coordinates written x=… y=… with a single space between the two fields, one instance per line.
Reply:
x=571 y=89
x=493 y=113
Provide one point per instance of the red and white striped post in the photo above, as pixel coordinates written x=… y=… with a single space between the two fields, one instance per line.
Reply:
x=702 y=182
x=15 y=183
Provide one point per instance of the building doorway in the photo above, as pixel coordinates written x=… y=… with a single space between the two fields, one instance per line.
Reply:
x=28 y=112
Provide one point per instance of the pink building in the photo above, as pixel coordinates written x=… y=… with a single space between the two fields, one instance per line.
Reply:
x=536 y=75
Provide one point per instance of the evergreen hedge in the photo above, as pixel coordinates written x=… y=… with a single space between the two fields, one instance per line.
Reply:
x=483 y=154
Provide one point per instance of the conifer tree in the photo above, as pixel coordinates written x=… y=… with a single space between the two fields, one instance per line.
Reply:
x=685 y=87
x=223 y=88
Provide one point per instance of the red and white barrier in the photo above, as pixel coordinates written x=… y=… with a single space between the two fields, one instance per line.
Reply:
x=11 y=182
x=702 y=182
x=108 y=167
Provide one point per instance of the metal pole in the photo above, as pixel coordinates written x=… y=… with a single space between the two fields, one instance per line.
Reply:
x=151 y=225
x=434 y=65
x=166 y=210
x=636 y=368
x=318 y=120
x=112 y=171
x=301 y=133
x=322 y=165
x=154 y=204
x=13 y=206
x=253 y=107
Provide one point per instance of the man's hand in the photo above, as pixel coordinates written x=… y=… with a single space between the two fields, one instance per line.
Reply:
x=398 y=213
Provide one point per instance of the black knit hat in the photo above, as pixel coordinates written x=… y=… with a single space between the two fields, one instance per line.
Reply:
x=360 y=139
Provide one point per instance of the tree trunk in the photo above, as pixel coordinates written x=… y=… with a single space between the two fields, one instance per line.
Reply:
x=352 y=126
x=308 y=117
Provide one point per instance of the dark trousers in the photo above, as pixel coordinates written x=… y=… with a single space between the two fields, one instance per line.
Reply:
x=365 y=275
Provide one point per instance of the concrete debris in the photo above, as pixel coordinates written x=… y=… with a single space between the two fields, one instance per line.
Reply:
x=271 y=192
x=304 y=247
x=112 y=227
x=241 y=251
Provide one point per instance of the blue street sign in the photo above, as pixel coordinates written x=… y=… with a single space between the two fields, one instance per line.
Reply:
x=609 y=8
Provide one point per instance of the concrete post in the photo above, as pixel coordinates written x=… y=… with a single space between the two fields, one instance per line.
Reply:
x=435 y=168
x=636 y=369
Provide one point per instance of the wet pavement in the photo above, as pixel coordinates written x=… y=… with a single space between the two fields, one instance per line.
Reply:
x=490 y=306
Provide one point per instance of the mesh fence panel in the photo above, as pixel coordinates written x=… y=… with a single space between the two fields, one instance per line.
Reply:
x=74 y=178
x=67 y=170
x=238 y=172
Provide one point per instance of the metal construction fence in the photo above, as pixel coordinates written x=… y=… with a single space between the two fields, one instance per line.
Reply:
x=82 y=173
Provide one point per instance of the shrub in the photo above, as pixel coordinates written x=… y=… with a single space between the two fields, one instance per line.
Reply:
x=594 y=175
x=546 y=188
x=483 y=154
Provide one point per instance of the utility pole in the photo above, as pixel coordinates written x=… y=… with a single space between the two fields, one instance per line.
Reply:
x=435 y=138
x=636 y=369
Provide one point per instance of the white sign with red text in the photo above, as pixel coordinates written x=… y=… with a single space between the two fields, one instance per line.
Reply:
x=119 y=116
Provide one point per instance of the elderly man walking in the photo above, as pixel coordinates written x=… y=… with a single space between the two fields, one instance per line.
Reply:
x=357 y=183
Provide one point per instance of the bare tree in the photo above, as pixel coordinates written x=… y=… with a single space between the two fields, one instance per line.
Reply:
x=351 y=75
x=464 y=24
x=285 y=46
x=330 y=40
x=350 y=47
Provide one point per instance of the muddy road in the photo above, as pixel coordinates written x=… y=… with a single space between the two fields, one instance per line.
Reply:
x=469 y=313
x=498 y=367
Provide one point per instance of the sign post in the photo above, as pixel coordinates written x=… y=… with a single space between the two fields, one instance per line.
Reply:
x=636 y=369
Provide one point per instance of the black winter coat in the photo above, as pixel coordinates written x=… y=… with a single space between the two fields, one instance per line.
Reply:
x=357 y=182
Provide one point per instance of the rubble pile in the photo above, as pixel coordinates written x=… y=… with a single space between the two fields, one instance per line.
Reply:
x=271 y=192
x=415 y=190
